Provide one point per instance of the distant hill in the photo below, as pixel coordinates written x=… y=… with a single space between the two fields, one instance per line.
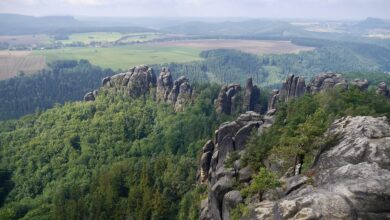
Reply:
x=15 y=24
x=231 y=28
x=371 y=23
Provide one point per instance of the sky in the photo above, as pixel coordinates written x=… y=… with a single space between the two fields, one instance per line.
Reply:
x=320 y=9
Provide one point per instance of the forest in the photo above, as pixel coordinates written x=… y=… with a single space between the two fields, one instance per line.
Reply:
x=124 y=158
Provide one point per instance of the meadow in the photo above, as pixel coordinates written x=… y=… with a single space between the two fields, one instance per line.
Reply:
x=123 y=57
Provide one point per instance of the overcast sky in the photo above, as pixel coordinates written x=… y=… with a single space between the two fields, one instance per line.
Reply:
x=324 y=9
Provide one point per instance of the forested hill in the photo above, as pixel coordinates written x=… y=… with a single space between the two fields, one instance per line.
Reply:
x=63 y=81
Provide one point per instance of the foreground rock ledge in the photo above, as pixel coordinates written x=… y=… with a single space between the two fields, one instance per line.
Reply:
x=351 y=178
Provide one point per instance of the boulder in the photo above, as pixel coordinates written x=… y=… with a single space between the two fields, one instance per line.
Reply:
x=89 y=97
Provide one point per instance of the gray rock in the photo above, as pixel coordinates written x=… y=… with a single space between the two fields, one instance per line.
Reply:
x=226 y=101
x=230 y=201
x=273 y=100
x=89 y=97
x=216 y=195
x=251 y=98
x=244 y=133
x=326 y=81
x=362 y=84
x=164 y=85
x=294 y=86
x=351 y=178
x=383 y=90
x=245 y=174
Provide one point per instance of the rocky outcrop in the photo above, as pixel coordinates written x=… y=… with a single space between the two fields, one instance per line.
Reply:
x=273 y=99
x=164 y=85
x=229 y=137
x=90 y=96
x=135 y=82
x=139 y=80
x=351 y=178
x=325 y=81
x=180 y=94
x=383 y=90
x=227 y=99
x=362 y=84
x=251 y=97
x=294 y=86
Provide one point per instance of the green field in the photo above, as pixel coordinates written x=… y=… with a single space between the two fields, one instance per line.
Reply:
x=125 y=56
x=93 y=36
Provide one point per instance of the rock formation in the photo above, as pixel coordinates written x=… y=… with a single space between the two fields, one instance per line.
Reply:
x=135 y=82
x=383 y=90
x=325 y=81
x=230 y=137
x=139 y=80
x=90 y=96
x=227 y=99
x=164 y=85
x=362 y=84
x=180 y=94
x=251 y=98
x=351 y=178
x=294 y=86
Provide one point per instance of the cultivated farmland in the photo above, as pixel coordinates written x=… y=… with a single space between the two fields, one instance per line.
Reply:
x=250 y=46
x=12 y=62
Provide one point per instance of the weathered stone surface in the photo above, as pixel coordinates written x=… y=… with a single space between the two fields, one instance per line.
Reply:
x=352 y=177
x=230 y=201
x=243 y=134
x=294 y=86
x=135 y=82
x=89 y=97
x=251 y=98
x=226 y=102
x=164 y=85
x=362 y=84
x=325 y=81
x=273 y=99
x=383 y=90
x=229 y=137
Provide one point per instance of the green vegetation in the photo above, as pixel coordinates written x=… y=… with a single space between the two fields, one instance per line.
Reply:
x=264 y=180
x=64 y=81
x=93 y=36
x=113 y=158
x=124 y=57
x=301 y=123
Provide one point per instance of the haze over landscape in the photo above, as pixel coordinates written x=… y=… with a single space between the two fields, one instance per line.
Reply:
x=322 y=9
x=194 y=109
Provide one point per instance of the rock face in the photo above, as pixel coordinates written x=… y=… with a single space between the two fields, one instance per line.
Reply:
x=383 y=90
x=294 y=86
x=230 y=137
x=227 y=99
x=135 y=82
x=351 y=178
x=164 y=85
x=89 y=97
x=252 y=95
x=362 y=84
x=325 y=81
x=181 y=93
x=139 y=80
